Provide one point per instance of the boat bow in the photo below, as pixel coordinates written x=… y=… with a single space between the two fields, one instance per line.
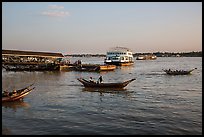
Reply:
x=20 y=94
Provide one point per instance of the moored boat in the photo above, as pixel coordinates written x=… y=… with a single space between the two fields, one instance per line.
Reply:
x=119 y=56
x=146 y=57
x=86 y=67
x=178 y=72
x=89 y=84
x=107 y=67
x=18 y=95
x=94 y=67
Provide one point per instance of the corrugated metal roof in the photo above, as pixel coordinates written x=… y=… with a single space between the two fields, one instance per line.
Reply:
x=31 y=53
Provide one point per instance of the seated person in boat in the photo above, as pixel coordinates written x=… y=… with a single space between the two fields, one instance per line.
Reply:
x=14 y=92
x=5 y=93
x=91 y=80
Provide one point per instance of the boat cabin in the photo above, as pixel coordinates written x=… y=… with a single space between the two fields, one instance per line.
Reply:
x=119 y=56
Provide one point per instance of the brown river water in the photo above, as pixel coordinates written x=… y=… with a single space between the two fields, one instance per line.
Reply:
x=154 y=104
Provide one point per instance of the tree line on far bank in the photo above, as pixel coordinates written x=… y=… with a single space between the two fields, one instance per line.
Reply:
x=158 y=54
x=174 y=54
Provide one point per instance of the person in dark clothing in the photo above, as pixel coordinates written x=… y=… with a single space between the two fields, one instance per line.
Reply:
x=100 y=79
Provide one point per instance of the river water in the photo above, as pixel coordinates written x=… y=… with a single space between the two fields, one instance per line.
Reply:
x=154 y=104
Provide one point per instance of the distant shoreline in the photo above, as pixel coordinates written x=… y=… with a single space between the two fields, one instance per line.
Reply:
x=158 y=54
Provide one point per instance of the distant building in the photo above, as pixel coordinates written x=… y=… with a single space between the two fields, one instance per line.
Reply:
x=177 y=55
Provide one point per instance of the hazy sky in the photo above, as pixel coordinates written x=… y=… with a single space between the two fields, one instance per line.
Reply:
x=95 y=27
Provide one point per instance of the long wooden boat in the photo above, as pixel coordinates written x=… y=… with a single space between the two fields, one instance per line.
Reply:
x=20 y=94
x=107 y=67
x=87 y=83
x=178 y=72
x=94 y=67
x=85 y=68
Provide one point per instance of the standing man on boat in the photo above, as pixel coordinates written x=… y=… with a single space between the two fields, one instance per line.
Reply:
x=100 y=79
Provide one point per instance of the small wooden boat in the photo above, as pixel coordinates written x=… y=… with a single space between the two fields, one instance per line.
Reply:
x=178 y=72
x=87 y=83
x=19 y=95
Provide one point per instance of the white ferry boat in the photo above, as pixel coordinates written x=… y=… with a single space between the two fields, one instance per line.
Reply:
x=119 y=56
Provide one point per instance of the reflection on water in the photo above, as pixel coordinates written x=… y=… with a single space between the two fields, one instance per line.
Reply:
x=12 y=107
x=6 y=130
x=105 y=90
x=126 y=68
x=15 y=105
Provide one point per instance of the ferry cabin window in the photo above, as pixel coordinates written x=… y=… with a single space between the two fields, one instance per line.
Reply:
x=115 y=58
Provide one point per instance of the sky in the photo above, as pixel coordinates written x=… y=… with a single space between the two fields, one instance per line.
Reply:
x=95 y=27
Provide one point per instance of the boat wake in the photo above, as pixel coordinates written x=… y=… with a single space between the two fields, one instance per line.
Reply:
x=153 y=73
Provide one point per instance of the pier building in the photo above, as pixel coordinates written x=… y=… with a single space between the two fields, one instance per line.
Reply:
x=16 y=60
x=29 y=57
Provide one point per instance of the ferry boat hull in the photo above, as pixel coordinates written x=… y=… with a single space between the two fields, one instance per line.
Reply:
x=120 y=63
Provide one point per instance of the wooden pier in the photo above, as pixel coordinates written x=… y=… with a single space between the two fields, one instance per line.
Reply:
x=16 y=60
